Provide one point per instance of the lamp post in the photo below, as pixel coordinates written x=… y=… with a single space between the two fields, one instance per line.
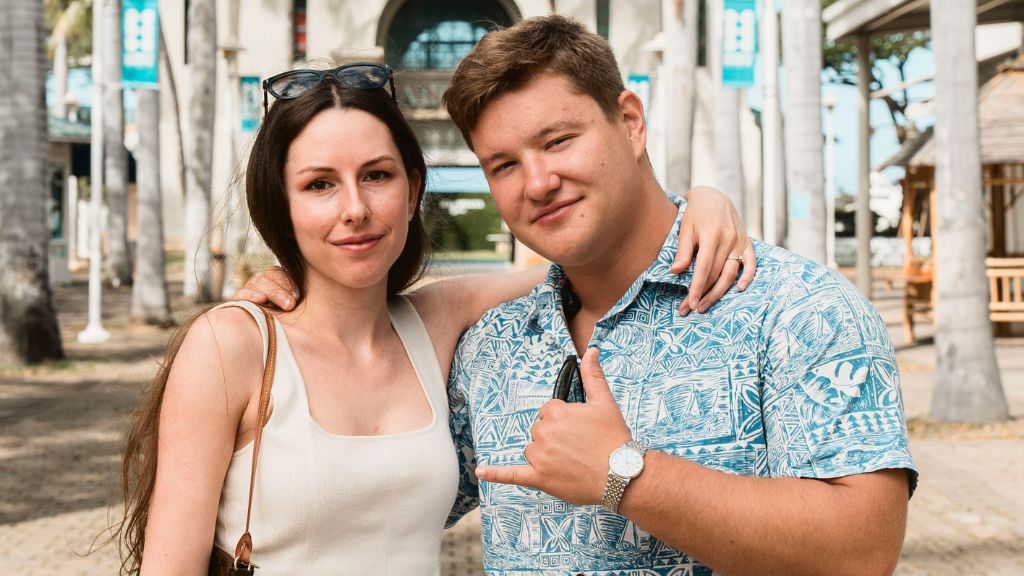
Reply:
x=94 y=332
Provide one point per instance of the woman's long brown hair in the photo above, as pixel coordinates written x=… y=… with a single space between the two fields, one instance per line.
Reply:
x=268 y=209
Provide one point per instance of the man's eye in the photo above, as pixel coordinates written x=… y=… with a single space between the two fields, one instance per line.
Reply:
x=559 y=141
x=502 y=167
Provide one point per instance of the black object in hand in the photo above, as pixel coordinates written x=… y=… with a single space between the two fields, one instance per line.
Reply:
x=569 y=374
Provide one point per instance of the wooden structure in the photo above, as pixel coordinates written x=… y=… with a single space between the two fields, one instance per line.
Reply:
x=1001 y=132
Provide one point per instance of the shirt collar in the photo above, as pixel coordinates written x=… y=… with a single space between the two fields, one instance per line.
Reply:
x=547 y=295
x=658 y=270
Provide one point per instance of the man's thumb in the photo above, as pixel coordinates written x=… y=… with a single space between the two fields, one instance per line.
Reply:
x=594 y=382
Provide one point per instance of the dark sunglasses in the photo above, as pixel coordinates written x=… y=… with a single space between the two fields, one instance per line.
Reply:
x=295 y=83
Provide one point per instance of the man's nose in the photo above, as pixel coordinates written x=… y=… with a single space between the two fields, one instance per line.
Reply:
x=541 y=180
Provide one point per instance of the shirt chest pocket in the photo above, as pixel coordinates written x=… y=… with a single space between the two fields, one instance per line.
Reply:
x=706 y=419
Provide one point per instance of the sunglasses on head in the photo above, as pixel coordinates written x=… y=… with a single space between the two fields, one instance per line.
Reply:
x=295 y=83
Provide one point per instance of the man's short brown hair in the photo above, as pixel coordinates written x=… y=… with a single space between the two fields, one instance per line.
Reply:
x=507 y=58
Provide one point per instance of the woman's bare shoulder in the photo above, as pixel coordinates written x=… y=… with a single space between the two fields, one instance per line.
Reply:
x=222 y=345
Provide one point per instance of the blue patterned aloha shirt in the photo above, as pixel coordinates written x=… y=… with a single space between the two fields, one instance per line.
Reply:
x=796 y=377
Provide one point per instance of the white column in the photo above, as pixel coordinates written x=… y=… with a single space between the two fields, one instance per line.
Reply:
x=863 y=221
x=774 y=177
x=94 y=332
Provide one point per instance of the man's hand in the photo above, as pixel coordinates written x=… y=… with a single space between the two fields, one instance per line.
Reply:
x=273 y=286
x=568 y=457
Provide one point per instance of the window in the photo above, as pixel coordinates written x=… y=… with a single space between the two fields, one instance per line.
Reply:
x=299 y=29
x=441 y=46
x=702 y=34
x=603 y=9
x=436 y=34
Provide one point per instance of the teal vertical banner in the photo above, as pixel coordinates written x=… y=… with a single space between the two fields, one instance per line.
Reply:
x=739 y=42
x=140 y=43
x=251 y=103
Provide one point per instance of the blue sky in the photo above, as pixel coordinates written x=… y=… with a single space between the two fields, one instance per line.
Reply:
x=883 y=139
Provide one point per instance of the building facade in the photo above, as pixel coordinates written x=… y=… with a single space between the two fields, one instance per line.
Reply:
x=424 y=41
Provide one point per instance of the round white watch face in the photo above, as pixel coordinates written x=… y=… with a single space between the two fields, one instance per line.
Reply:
x=626 y=462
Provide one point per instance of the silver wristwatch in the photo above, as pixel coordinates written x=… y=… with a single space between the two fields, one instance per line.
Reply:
x=624 y=464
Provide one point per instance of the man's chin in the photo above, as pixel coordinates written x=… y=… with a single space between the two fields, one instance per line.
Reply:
x=560 y=256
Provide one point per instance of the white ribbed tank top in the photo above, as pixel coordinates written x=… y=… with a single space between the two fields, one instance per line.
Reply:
x=327 y=504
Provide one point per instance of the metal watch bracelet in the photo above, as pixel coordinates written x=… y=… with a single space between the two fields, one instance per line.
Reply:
x=615 y=488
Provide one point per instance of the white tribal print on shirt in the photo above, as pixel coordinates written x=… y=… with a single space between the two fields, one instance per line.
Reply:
x=796 y=377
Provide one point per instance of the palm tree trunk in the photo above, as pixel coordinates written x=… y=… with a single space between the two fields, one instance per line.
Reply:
x=967 y=381
x=236 y=224
x=202 y=57
x=28 y=320
x=679 y=19
x=728 y=165
x=167 y=73
x=805 y=179
x=774 y=173
x=119 y=261
x=150 y=300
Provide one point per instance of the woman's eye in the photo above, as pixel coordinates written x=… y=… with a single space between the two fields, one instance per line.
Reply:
x=376 y=176
x=319 y=185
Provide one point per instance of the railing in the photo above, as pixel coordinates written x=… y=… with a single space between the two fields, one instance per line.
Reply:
x=1006 y=289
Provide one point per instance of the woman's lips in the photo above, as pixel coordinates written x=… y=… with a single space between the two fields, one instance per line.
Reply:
x=359 y=243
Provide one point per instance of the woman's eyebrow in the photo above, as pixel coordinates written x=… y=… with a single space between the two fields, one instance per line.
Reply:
x=316 y=169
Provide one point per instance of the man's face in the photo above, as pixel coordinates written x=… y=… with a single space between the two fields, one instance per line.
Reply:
x=559 y=171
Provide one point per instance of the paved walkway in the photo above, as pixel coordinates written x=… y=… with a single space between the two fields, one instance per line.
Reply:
x=61 y=426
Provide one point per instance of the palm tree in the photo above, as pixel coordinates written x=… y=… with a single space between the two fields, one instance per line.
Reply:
x=728 y=167
x=967 y=386
x=236 y=224
x=202 y=61
x=774 y=173
x=150 y=300
x=679 y=18
x=28 y=320
x=805 y=179
x=118 y=262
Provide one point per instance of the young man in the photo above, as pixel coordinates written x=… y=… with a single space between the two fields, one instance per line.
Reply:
x=764 y=436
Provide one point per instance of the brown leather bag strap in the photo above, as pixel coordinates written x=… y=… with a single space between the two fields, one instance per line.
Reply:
x=243 y=551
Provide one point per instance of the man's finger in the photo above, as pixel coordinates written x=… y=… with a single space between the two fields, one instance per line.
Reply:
x=594 y=382
x=518 y=475
x=283 y=299
x=251 y=296
x=271 y=280
x=548 y=407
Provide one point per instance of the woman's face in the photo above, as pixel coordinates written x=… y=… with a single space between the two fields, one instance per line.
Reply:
x=350 y=198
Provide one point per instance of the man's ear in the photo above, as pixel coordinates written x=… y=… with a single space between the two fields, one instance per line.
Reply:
x=631 y=111
x=415 y=185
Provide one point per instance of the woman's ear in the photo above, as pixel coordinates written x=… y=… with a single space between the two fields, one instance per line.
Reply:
x=415 y=185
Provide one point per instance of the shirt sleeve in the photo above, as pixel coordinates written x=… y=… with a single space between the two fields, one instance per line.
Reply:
x=831 y=399
x=468 y=496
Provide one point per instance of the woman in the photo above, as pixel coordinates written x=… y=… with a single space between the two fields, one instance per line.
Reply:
x=357 y=468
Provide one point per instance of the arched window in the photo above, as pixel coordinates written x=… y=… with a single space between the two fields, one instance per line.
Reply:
x=436 y=34
x=441 y=46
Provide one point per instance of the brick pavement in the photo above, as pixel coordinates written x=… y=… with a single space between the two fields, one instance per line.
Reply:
x=61 y=426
